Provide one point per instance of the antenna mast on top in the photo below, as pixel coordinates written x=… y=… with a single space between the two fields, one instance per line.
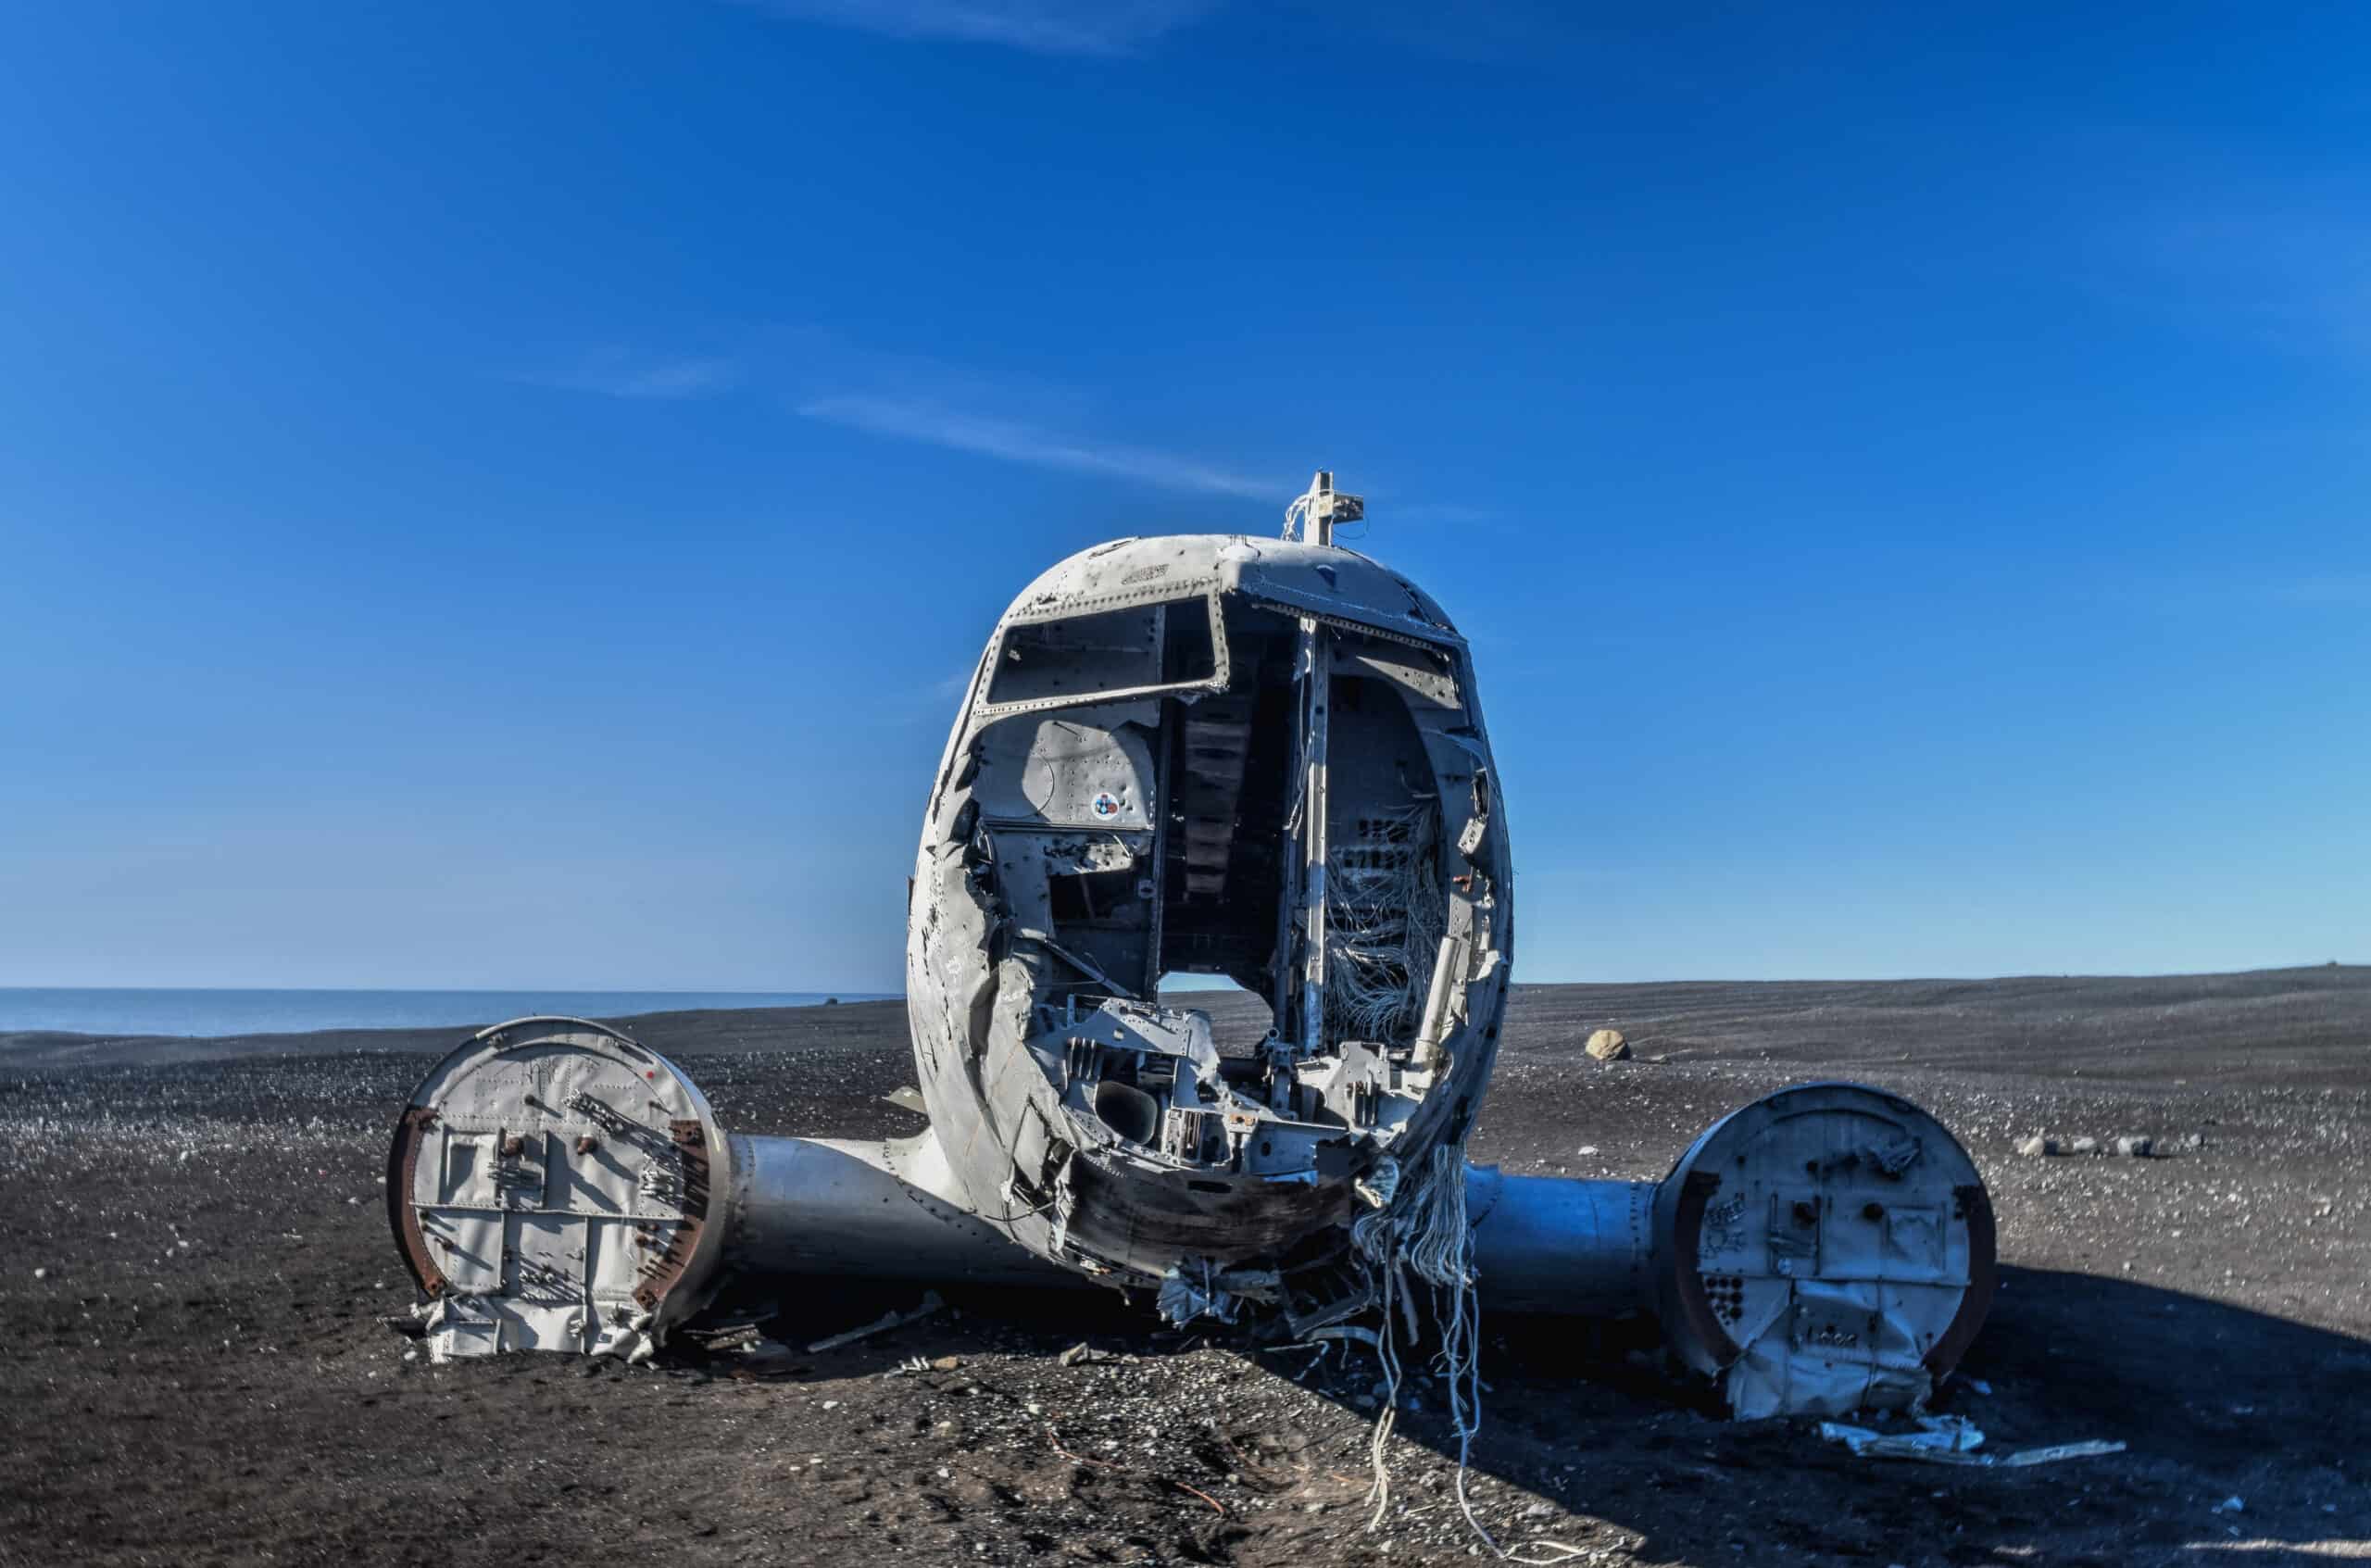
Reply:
x=1312 y=514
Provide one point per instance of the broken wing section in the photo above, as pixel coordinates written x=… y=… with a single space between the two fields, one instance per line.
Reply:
x=1828 y=1249
x=550 y=1186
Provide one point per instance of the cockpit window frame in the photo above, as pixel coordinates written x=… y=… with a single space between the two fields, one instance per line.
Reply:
x=984 y=710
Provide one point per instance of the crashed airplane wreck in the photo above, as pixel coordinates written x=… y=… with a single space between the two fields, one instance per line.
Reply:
x=1258 y=759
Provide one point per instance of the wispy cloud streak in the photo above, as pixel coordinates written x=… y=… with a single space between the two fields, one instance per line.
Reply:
x=1043 y=27
x=912 y=420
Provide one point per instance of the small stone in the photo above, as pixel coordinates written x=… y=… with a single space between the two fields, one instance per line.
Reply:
x=2135 y=1148
x=831 y=1404
x=1607 y=1045
x=2084 y=1146
x=41 y=1273
x=2037 y=1144
x=947 y=1364
x=2195 y=1141
x=1588 y=1148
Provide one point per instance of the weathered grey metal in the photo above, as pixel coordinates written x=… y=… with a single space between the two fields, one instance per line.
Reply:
x=869 y=1209
x=556 y=1186
x=1257 y=758
x=1827 y=1248
x=829 y=1207
x=1091 y=832
x=551 y=1184
x=1560 y=1245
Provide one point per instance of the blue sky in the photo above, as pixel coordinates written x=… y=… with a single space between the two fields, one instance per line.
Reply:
x=504 y=495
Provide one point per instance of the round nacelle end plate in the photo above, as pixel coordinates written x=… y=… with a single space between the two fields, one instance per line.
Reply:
x=554 y=1186
x=1824 y=1249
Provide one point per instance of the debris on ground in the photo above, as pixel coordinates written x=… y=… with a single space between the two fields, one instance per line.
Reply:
x=2037 y=1144
x=2136 y=1147
x=1953 y=1439
x=1935 y=1434
x=882 y=1325
x=766 y=1356
x=1608 y=1045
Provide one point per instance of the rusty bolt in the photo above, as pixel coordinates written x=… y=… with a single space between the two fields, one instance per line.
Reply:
x=587 y=1143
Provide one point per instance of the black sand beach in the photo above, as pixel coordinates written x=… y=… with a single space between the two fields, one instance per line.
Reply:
x=199 y=1374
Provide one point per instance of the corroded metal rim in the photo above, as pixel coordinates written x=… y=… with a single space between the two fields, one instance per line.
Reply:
x=670 y=1280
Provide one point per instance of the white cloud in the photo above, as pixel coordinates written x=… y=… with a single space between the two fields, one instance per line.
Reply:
x=918 y=420
x=1045 y=27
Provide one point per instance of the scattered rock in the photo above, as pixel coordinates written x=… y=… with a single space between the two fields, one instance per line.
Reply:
x=1588 y=1148
x=2135 y=1148
x=1607 y=1045
x=1076 y=1355
x=2037 y=1144
x=2195 y=1141
x=2084 y=1146
x=41 y=1273
x=946 y=1363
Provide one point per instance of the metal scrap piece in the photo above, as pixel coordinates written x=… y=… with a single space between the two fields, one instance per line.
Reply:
x=888 y=1321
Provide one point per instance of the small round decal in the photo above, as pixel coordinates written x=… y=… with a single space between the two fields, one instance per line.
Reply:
x=1106 y=804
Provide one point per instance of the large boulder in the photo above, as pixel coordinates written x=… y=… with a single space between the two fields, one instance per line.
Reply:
x=1607 y=1045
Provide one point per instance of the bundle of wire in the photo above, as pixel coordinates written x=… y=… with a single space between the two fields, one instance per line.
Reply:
x=1420 y=1241
x=1383 y=918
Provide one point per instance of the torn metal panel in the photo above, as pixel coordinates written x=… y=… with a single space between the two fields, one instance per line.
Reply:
x=1254 y=726
x=1822 y=1250
x=550 y=1186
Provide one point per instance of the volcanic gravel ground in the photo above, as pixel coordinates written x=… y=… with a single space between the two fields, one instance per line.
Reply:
x=199 y=1374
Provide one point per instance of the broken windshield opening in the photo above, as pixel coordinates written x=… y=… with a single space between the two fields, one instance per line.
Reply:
x=1137 y=651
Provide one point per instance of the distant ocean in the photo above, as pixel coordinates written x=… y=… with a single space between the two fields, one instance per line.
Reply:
x=210 y=1011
